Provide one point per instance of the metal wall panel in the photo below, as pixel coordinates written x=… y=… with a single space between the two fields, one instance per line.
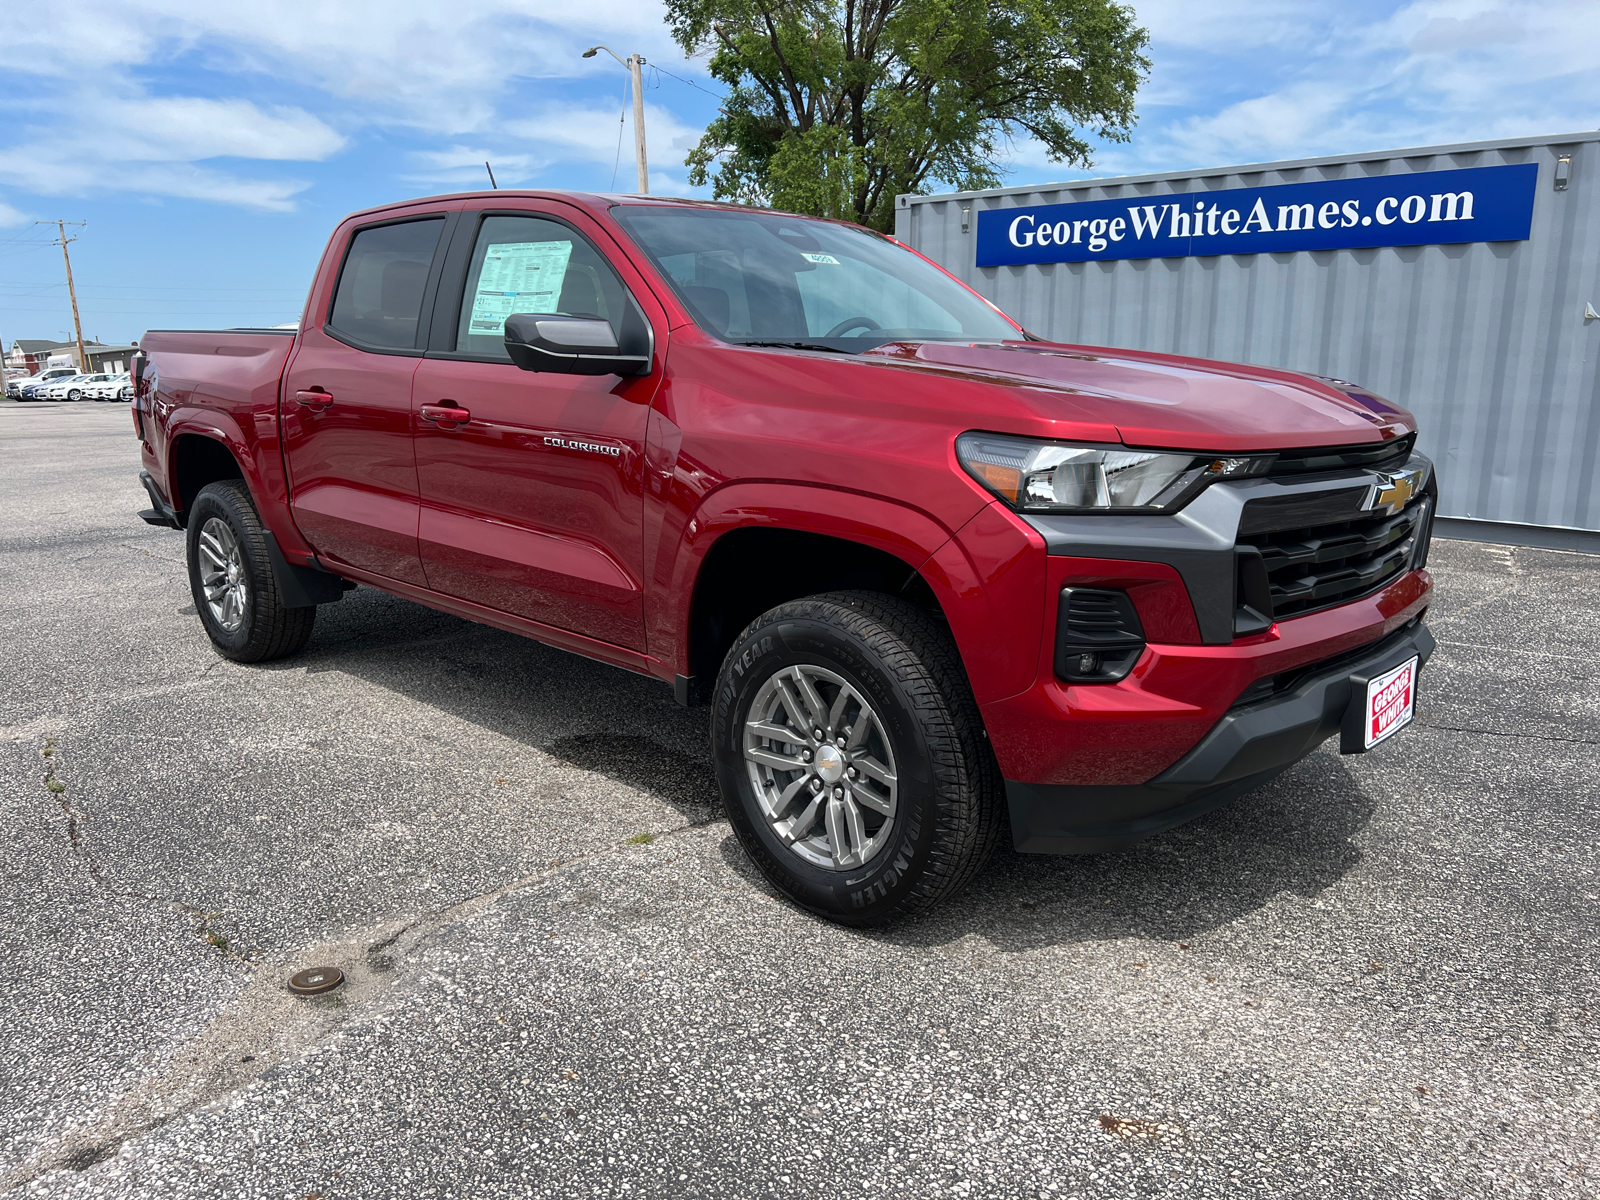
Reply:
x=1486 y=342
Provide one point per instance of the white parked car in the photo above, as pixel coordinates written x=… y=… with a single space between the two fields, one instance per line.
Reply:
x=56 y=389
x=72 y=387
x=111 y=389
x=22 y=387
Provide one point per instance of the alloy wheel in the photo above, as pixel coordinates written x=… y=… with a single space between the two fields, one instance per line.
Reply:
x=822 y=767
x=222 y=574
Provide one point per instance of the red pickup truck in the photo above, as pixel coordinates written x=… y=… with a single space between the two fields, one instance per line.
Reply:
x=933 y=575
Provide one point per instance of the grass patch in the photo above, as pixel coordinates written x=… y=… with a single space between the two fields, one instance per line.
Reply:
x=641 y=839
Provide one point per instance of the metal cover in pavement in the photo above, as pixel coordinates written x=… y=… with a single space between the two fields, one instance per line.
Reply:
x=316 y=979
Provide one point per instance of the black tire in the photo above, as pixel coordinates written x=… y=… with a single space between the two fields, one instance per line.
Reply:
x=948 y=814
x=75 y=394
x=267 y=630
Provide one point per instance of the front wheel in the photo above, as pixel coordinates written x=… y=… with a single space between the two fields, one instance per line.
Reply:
x=75 y=394
x=851 y=757
x=231 y=579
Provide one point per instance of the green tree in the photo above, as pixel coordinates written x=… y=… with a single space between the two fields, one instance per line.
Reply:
x=834 y=107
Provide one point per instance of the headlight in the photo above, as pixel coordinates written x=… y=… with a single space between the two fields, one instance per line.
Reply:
x=1036 y=476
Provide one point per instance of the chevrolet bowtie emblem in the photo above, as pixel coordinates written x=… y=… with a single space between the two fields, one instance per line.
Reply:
x=1391 y=493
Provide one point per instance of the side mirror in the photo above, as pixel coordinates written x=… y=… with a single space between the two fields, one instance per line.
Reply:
x=579 y=345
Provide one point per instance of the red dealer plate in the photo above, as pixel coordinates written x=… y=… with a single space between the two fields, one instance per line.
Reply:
x=1391 y=699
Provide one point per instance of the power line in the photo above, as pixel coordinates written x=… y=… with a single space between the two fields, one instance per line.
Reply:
x=622 y=121
x=690 y=82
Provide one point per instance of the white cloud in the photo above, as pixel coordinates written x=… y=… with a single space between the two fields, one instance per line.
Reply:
x=590 y=131
x=65 y=176
x=1442 y=35
x=1245 y=81
x=463 y=166
x=10 y=216
x=1227 y=24
x=298 y=82
x=155 y=146
x=187 y=128
x=437 y=67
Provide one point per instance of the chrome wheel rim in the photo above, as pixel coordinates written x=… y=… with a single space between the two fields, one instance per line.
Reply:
x=222 y=576
x=822 y=767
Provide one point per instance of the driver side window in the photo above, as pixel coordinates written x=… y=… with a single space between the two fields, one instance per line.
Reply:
x=531 y=265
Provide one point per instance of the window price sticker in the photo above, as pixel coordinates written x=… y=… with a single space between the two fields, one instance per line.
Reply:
x=517 y=277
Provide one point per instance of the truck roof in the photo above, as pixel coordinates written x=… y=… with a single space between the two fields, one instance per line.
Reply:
x=596 y=202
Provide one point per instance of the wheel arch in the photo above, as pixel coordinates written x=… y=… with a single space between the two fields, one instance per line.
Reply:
x=752 y=547
x=758 y=567
x=199 y=457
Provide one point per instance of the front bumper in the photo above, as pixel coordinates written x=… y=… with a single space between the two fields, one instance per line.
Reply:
x=1255 y=587
x=1247 y=747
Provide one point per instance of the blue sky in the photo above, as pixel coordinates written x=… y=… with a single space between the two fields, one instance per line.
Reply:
x=212 y=146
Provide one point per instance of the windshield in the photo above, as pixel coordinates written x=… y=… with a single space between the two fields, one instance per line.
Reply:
x=763 y=278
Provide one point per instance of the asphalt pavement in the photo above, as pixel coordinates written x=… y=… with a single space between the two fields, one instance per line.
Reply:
x=1375 y=977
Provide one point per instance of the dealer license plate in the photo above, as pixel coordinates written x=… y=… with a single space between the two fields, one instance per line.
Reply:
x=1391 y=701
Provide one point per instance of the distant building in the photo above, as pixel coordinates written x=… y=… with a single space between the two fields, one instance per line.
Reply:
x=29 y=356
x=114 y=359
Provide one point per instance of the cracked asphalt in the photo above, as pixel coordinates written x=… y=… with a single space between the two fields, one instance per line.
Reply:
x=1375 y=977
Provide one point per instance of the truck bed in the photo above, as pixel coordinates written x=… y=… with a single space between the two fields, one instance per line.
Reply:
x=236 y=370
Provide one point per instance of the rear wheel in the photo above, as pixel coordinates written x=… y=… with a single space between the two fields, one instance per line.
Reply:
x=75 y=394
x=230 y=576
x=851 y=757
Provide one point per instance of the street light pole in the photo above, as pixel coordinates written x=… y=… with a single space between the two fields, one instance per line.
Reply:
x=634 y=63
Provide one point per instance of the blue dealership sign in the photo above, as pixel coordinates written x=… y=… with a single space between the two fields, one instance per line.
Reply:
x=1424 y=208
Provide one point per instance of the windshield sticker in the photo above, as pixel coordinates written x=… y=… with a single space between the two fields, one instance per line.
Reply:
x=518 y=277
x=820 y=258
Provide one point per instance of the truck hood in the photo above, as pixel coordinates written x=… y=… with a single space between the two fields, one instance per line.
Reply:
x=1160 y=400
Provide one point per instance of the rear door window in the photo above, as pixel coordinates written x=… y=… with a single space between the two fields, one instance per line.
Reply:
x=532 y=265
x=381 y=287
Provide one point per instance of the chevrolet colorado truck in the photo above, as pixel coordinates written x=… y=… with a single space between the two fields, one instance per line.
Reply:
x=934 y=577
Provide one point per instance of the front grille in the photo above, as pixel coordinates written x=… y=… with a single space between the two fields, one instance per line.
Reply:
x=1374 y=456
x=1300 y=554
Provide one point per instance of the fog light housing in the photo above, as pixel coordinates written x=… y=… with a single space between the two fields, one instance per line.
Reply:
x=1098 y=635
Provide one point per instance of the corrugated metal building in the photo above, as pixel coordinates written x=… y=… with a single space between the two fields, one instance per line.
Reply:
x=1487 y=342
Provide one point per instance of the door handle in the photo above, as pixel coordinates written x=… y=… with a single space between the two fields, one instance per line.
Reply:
x=315 y=401
x=445 y=416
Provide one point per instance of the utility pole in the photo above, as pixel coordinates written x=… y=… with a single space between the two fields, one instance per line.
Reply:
x=72 y=293
x=634 y=63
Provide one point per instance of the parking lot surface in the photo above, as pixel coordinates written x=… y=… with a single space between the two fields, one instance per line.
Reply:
x=1375 y=977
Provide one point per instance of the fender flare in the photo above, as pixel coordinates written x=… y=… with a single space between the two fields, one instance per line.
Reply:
x=961 y=581
x=213 y=426
x=261 y=464
x=302 y=581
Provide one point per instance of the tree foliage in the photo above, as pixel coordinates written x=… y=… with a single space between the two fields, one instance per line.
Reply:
x=836 y=106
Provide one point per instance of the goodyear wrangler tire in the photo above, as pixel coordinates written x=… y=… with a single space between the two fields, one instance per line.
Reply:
x=230 y=576
x=852 y=759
